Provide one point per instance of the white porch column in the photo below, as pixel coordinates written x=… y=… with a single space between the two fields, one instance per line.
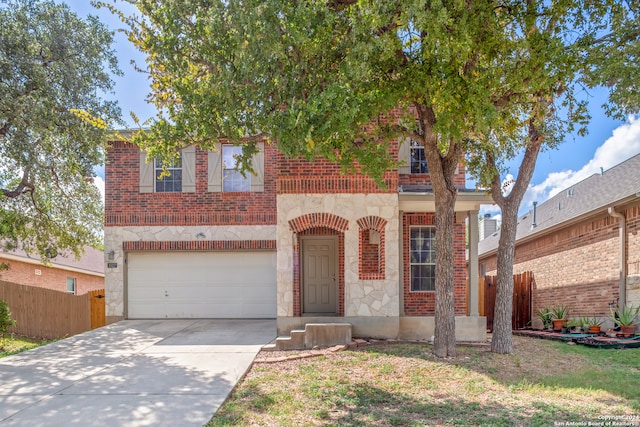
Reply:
x=473 y=263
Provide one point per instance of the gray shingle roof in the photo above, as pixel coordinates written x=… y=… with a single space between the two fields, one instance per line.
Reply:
x=590 y=195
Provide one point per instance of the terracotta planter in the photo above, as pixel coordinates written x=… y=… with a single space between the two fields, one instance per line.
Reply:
x=629 y=330
x=558 y=324
x=594 y=329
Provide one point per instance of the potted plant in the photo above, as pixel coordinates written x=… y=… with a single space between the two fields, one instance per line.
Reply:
x=575 y=325
x=544 y=314
x=625 y=318
x=560 y=317
x=594 y=324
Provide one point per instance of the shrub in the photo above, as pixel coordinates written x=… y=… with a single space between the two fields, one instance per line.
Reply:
x=5 y=319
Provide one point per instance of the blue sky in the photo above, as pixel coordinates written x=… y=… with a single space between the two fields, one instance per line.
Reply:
x=608 y=142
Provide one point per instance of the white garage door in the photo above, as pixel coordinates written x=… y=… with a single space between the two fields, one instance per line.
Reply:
x=177 y=285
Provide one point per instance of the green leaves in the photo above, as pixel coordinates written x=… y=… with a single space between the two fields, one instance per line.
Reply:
x=53 y=69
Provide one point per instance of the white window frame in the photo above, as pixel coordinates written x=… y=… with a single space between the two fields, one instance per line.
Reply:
x=216 y=170
x=148 y=175
x=174 y=178
x=418 y=159
x=420 y=257
x=232 y=179
x=73 y=282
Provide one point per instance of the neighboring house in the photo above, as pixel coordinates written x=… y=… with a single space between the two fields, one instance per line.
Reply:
x=582 y=245
x=298 y=242
x=65 y=274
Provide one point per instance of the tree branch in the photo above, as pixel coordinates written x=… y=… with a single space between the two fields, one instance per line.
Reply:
x=528 y=161
x=496 y=186
x=4 y=129
x=22 y=188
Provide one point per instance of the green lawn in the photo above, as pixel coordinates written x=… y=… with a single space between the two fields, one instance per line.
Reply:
x=17 y=344
x=541 y=383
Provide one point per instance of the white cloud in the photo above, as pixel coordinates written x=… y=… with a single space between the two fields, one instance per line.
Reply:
x=494 y=210
x=623 y=144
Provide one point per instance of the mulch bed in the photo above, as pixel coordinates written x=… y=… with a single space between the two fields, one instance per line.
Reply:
x=591 y=340
x=610 y=342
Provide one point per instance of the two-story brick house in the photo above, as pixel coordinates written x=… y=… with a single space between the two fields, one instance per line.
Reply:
x=298 y=241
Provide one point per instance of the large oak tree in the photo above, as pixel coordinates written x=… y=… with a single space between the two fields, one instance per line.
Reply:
x=319 y=78
x=53 y=124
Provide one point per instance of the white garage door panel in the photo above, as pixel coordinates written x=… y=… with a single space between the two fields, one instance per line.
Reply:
x=201 y=285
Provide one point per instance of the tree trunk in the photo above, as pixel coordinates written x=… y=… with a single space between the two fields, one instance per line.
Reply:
x=502 y=341
x=442 y=167
x=445 y=322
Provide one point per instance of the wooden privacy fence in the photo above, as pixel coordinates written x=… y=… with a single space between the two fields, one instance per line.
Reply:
x=46 y=313
x=521 y=315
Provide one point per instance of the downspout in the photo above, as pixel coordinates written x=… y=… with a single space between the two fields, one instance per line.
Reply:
x=623 y=255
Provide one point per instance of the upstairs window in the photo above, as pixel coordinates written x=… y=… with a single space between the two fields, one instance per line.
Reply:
x=182 y=178
x=423 y=259
x=232 y=180
x=171 y=183
x=418 y=159
x=222 y=175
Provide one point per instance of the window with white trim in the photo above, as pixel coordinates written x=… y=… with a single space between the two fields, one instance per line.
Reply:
x=222 y=175
x=232 y=179
x=71 y=285
x=423 y=258
x=418 y=158
x=182 y=176
x=171 y=183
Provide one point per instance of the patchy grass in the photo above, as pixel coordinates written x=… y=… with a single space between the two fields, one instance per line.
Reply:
x=542 y=382
x=18 y=344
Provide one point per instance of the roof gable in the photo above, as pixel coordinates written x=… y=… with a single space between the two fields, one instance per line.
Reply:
x=91 y=261
x=592 y=194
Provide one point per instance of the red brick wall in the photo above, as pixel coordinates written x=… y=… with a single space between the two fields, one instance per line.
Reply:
x=590 y=299
x=579 y=264
x=199 y=245
x=321 y=176
x=371 y=263
x=423 y=303
x=425 y=179
x=126 y=206
x=50 y=277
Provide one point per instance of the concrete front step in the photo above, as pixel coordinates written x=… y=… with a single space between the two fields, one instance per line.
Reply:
x=314 y=335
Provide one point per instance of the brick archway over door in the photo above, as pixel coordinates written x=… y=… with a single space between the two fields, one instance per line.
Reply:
x=317 y=224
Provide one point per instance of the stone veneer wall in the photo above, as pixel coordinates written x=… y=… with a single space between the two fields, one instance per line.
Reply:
x=362 y=297
x=115 y=236
x=633 y=290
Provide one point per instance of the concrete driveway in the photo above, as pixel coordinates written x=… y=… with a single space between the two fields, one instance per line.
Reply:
x=131 y=373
